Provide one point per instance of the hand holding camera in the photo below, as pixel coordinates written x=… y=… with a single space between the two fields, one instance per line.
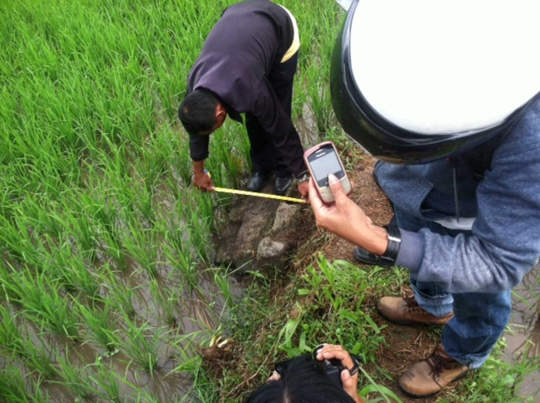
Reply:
x=341 y=366
x=332 y=362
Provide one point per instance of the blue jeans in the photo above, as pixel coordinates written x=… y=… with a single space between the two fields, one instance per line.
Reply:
x=479 y=318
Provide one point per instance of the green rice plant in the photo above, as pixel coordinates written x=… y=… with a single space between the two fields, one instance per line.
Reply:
x=141 y=343
x=76 y=379
x=230 y=155
x=222 y=281
x=100 y=323
x=120 y=294
x=178 y=252
x=13 y=388
x=105 y=383
x=140 y=395
x=183 y=347
x=82 y=227
x=18 y=240
x=19 y=346
x=12 y=385
x=69 y=268
x=11 y=339
x=319 y=99
x=141 y=244
x=167 y=300
x=115 y=249
x=38 y=358
x=44 y=304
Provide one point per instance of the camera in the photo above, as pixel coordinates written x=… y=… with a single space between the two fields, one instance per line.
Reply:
x=332 y=368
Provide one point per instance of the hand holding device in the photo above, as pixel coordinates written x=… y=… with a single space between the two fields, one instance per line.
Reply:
x=321 y=161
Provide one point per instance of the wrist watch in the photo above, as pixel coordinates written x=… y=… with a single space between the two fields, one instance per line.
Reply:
x=303 y=178
x=388 y=258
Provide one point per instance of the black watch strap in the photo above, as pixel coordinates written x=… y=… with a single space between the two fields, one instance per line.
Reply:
x=388 y=258
x=356 y=365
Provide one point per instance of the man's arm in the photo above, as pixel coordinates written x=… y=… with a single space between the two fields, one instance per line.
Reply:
x=505 y=241
x=198 y=146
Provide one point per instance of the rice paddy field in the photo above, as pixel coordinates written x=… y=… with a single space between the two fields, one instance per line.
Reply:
x=105 y=283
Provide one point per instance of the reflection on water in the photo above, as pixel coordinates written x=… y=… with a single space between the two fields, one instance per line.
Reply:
x=524 y=336
x=307 y=127
x=196 y=312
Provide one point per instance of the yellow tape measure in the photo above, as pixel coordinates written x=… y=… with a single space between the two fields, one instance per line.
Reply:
x=265 y=195
x=246 y=193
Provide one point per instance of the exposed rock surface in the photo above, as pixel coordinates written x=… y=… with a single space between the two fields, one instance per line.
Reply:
x=259 y=232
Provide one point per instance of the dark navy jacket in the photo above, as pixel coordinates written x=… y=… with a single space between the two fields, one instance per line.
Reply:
x=247 y=42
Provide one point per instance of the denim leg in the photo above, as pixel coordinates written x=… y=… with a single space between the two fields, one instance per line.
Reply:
x=428 y=295
x=479 y=318
x=479 y=321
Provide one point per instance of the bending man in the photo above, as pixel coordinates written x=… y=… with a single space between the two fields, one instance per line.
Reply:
x=247 y=66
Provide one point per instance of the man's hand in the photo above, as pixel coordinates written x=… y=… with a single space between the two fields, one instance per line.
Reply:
x=201 y=179
x=350 y=383
x=303 y=188
x=345 y=219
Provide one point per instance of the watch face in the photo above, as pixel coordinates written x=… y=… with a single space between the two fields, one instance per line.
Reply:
x=303 y=178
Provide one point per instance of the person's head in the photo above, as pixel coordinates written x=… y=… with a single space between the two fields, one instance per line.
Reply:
x=201 y=112
x=302 y=381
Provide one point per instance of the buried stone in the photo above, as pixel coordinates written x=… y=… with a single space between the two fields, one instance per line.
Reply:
x=258 y=233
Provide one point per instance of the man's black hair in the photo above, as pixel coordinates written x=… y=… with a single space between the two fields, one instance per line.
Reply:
x=304 y=381
x=197 y=111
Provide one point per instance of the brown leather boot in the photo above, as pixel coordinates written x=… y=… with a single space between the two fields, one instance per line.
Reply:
x=430 y=376
x=406 y=311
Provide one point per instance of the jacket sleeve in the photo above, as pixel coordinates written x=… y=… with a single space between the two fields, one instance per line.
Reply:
x=505 y=240
x=198 y=147
x=273 y=118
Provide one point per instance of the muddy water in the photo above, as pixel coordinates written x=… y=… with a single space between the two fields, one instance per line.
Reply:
x=307 y=127
x=524 y=337
x=199 y=311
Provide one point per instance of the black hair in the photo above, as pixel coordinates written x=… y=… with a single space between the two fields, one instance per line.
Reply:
x=303 y=381
x=197 y=111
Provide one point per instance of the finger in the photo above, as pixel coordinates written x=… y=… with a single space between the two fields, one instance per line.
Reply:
x=314 y=200
x=274 y=377
x=337 y=351
x=349 y=384
x=336 y=187
x=303 y=188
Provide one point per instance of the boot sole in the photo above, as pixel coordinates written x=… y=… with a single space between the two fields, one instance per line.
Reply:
x=435 y=393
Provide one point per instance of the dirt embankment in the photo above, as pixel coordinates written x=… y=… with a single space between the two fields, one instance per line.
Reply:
x=405 y=344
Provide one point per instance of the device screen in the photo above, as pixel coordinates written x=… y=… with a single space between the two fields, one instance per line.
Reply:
x=325 y=163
